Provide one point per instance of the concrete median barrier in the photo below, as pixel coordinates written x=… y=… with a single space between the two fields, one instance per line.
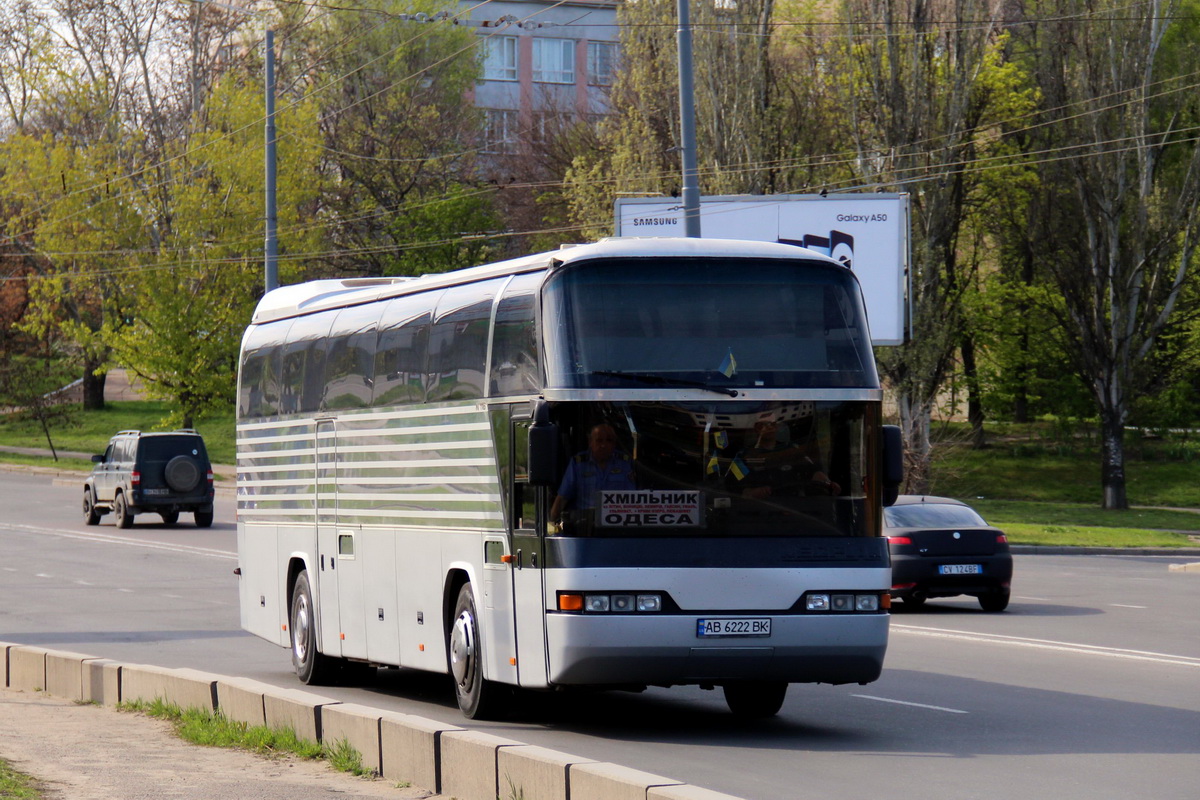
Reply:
x=186 y=688
x=436 y=756
x=27 y=668
x=469 y=760
x=535 y=773
x=296 y=709
x=411 y=748
x=4 y=648
x=64 y=674
x=358 y=726
x=602 y=781
x=101 y=682
x=242 y=700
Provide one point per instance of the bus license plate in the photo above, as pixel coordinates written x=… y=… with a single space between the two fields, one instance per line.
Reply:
x=960 y=569
x=713 y=628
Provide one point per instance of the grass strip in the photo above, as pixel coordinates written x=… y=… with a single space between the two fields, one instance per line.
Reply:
x=1083 y=515
x=15 y=785
x=1071 y=536
x=213 y=729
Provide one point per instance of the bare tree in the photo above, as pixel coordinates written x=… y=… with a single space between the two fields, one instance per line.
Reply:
x=1134 y=180
x=920 y=113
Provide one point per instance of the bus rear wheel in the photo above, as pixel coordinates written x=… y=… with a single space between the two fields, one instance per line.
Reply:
x=312 y=667
x=477 y=698
x=755 y=699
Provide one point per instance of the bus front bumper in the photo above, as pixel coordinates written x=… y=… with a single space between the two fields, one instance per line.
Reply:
x=666 y=650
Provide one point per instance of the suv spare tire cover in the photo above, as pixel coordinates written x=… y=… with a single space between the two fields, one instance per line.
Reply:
x=182 y=474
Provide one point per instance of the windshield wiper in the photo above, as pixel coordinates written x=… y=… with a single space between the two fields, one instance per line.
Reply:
x=662 y=380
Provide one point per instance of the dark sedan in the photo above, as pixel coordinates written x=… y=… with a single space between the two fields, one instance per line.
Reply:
x=942 y=548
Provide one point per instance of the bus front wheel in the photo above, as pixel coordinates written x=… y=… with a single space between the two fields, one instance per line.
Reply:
x=755 y=699
x=312 y=667
x=477 y=698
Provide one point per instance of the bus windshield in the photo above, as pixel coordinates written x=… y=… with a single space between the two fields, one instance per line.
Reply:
x=677 y=322
x=721 y=469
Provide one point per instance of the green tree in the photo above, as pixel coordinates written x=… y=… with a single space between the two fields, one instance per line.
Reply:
x=193 y=297
x=1130 y=200
x=400 y=141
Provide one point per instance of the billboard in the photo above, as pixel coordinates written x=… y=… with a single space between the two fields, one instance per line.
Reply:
x=866 y=232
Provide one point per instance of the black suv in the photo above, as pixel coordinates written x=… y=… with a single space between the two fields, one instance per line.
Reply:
x=159 y=473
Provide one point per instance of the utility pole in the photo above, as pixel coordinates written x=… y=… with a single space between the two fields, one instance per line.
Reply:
x=271 y=249
x=687 y=126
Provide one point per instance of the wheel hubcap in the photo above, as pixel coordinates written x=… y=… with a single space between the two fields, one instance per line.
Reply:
x=462 y=649
x=300 y=624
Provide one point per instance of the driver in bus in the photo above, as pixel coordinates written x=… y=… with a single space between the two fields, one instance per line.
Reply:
x=772 y=467
x=601 y=466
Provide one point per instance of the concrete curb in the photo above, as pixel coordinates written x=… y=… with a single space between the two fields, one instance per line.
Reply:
x=441 y=758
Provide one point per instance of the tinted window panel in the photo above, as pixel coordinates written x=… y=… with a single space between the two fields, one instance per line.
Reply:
x=303 y=375
x=931 y=515
x=350 y=363
x=459 y=340
x=401 y=352
x=768 y=323
x=258 y=391
x=515 y=364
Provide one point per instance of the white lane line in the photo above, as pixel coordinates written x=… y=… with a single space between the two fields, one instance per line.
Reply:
x=1122 y=605
x=43 y=575
x=914 y=705
x=1050 y=644
x=110 y=539
x=126 y=591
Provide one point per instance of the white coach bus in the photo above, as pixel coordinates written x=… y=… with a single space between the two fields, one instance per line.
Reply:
x=709 y=411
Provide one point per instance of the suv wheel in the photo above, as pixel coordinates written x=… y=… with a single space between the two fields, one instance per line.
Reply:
x=121 y=512
x=90 y=515
x=169 y=517
x=204 y=518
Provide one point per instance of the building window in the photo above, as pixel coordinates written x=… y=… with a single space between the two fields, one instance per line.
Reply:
x=501 y=133
x=602 y=63
x=554 y=60
x=500 y=60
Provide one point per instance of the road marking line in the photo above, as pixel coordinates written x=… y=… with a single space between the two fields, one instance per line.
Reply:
x=104 y=538
x=1050 y=644
x=1122 y=605
x=914 y=705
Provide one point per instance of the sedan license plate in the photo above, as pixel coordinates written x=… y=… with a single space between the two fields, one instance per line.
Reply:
x=742 y=626
x=960 y=569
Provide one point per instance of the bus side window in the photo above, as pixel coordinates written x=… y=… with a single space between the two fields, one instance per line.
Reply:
x=458 y=341
x=515 y=367
x=524 y=496
x=401 y=351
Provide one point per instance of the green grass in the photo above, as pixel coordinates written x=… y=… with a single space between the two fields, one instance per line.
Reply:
x=1067 y=536
x=213 y=729
x=89 y=432
x=1005 y=512
x=16 y=785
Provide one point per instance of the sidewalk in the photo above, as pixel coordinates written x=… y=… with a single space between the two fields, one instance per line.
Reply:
x=89 y=752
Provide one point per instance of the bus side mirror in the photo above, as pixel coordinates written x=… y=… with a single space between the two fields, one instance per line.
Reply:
x=893 y=463
x=543 y=447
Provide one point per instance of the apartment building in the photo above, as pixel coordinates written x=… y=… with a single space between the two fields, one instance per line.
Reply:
x=546 y=65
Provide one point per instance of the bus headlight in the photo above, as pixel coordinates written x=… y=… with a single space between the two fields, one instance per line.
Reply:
x=649 y=602
x=622 y=603
x=842 y=602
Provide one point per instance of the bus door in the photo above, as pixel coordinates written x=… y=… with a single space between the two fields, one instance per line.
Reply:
x=324 y=453
x=528 y=524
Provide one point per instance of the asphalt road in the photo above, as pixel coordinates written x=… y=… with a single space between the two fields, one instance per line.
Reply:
x=1088 y=687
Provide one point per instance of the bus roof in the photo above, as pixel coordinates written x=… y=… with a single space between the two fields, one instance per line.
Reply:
x=306 y=298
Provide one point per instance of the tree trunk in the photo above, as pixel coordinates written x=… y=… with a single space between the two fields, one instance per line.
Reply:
x=974 y=403
x=1112 y=454
x=93 y=386
x=914 y=424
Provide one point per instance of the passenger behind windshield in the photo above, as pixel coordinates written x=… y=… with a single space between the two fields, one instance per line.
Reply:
x=602 y=466
x=774 y=466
